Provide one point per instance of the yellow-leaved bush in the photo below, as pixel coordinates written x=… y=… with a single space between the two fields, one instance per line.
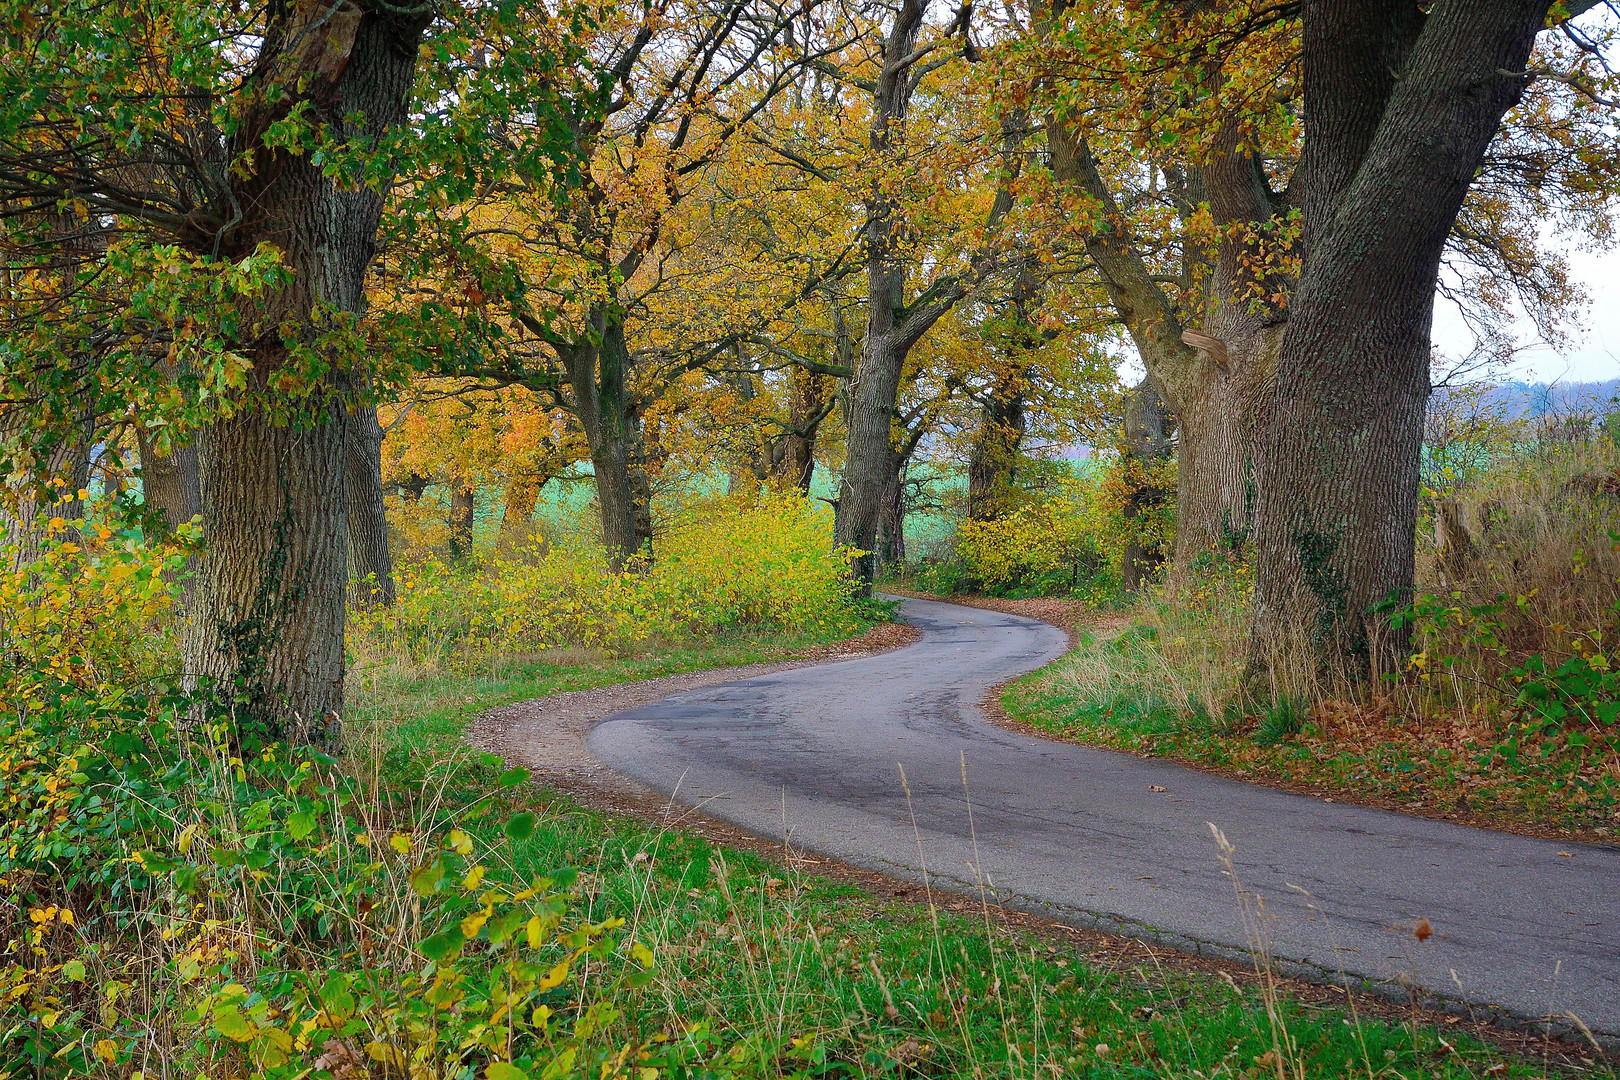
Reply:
x=83 y=605
x=1072 y=535
x=1069 y=535
x=768 y=564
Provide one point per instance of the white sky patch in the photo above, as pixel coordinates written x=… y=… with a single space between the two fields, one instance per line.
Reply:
x=1593 y=353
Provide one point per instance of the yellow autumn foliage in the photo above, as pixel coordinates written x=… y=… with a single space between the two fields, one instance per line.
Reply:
x=767 y=564
x=83 y=606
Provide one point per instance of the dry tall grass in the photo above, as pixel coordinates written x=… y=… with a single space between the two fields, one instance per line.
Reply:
x=1518 y=571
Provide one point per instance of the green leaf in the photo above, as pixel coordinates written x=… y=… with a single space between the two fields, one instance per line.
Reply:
x=513 y=777
x=336 y=999
x=301 y=824
x=521 y=827
x=501 y=1070
x=233 y=1025
x=562 y=1065
x=427 y=879
x=443 y=946
x=73 y=971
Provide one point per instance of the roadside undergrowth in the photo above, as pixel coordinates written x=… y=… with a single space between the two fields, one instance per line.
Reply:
x=1506 y=713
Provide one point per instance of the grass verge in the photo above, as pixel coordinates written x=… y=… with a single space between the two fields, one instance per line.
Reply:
x=1142 y=690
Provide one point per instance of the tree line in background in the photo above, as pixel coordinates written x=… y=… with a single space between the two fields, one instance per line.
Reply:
x=268 y=257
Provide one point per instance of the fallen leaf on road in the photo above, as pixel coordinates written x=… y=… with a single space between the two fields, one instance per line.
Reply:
x=1566 y=854
x=1424 y=931
x=1155 y=787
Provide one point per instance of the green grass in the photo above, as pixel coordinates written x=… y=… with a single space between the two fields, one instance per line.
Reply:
x=1141 y=693
x=766 y=971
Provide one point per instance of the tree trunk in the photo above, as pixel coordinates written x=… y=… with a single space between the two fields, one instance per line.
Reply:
x=169 y=482
x=1215 y=380
x=597 y=378
x=1337 y=511
x=810 y=397
x=641 y=496
x=1147 y=447
x=869 y=465
x=874 y=391
x=461 y=520
x=34 y=501
x=373 y=568
x=993 y=454
x=269 y=600
x=889 y=545
x=169 y=488
x=1219 y=420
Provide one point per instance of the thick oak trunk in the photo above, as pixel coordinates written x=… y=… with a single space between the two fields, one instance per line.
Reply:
x=1338 y=477
x=598 y=372
x=269 y=597
x=169 y=484
x=270 y=594
x=889 y=544
x=868 y=476
x=1219 y=419
x=869 y=469
x=810 y=398
x=992 y=465
x=1209 y=379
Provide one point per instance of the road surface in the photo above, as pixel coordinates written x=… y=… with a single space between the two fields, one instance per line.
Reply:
x=1525 y=927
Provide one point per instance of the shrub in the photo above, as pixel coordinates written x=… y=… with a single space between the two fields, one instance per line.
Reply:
x=766 y=565
x=85 y=606
x=174 y=902
x=1051 y=545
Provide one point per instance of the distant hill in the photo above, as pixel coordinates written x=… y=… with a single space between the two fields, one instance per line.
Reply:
x=1521 y=399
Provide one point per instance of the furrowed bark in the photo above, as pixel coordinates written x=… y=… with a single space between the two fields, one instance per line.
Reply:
x=810 y=398
x=1211 y=389
x=1337 y=512
x=169 y=481
x=269 y=597
x=597 y=379
x=993 y=455
x=889 y=544
x=873 y=392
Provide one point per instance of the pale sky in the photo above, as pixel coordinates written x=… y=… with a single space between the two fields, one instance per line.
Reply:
x=1593 y=354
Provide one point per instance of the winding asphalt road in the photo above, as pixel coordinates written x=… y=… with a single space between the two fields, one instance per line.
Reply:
x=1524 y=927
